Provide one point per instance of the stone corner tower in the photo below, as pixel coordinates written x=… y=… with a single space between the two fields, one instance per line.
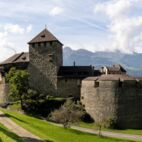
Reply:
x=45 y=54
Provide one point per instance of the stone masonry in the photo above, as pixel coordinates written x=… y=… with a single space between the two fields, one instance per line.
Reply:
x=45 y=59
x=113 y=99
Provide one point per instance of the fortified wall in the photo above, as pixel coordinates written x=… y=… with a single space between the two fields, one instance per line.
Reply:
x=3 y=91
x=113 y=99
x=69 y=87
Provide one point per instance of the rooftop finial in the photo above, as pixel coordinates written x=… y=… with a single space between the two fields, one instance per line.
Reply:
x=45 y=26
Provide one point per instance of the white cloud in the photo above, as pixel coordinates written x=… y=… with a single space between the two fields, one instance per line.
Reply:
x=13 y=28
x=29 y=28
x=9 y=37
x=115 y=8
x=123 y=28
x=56 y=11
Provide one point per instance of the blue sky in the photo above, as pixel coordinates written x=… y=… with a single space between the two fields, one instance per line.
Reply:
x=95 y=25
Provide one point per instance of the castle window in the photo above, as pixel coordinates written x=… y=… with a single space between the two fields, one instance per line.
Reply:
x=96 y=84
x=82 y=97
x=44 y=44
x=50 y=57
x=33 y=45
x=38 y=44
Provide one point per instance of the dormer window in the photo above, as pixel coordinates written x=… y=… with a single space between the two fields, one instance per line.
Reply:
x=24 y=58
x=43 y=36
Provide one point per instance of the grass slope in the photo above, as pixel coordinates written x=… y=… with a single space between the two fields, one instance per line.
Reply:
x=7 y=136
x=53 y=133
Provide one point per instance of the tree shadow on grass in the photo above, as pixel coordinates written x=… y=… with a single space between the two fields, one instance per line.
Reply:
x=11 y=116
x=10 y=135
x=27 y=139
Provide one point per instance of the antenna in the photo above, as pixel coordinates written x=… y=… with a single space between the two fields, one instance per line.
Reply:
x=74 y=63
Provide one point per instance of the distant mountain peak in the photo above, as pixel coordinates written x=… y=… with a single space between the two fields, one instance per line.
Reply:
x=132 y=62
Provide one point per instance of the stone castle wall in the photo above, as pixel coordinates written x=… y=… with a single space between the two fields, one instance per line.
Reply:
x=45 y=60
x=69 y=87
x=3 y=91
x=112 y=101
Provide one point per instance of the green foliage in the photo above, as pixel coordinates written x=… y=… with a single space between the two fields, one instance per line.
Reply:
x=39 y=104
x=68 y=113
x=18 y=84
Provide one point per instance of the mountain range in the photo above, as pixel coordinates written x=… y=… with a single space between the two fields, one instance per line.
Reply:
x=131 y=62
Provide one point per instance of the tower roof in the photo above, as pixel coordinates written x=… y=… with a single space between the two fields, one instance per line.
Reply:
x=43 y=36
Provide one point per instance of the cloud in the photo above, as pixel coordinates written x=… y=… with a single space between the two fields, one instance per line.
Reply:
x=10 y=37
x=15 y=29
x=123 y=28
x=29 y=28
x=26 y=8
x=56 y=11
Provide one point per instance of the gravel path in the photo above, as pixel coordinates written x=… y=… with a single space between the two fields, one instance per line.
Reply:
x=106 y=133
x=110 y=134
x=18 y=130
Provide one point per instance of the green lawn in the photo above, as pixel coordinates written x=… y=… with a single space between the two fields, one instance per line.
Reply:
x=7 y=136
x=53 y=133
x=126 y=131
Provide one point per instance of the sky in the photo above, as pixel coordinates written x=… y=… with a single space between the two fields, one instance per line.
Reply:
x=95 y=25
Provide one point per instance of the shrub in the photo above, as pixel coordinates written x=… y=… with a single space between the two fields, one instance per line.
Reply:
x=67 y=114
x=18 y=84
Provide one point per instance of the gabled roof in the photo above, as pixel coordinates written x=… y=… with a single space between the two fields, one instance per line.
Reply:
x=17 y=58
x=116 y=68
x=44 y=36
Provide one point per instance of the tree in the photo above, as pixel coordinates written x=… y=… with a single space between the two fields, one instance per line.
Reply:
x=68 y=113
x=18 y=84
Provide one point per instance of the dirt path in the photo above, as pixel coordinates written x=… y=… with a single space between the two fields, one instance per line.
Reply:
x=106 y=133
x=18 y=130
x=110 y=134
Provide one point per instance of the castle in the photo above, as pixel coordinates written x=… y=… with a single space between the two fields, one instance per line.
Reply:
x=108 y=94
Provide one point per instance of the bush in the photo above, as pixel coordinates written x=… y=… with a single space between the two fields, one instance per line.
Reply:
x=67 y=114
x=18 y=84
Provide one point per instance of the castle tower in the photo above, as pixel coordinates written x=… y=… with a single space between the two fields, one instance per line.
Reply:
x=45 y=54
